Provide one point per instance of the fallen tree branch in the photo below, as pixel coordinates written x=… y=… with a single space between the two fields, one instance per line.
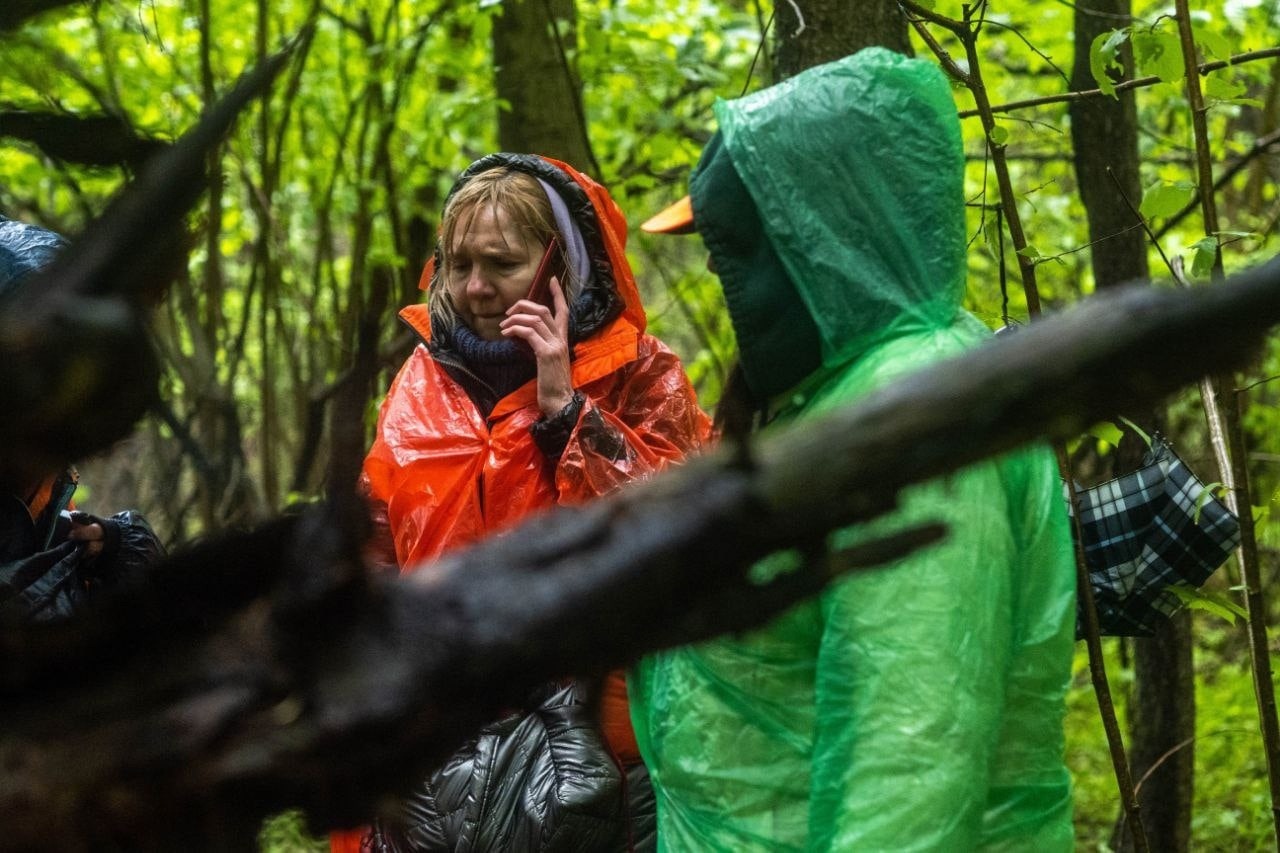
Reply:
x=90 y=140
x=75 y=358
x=256 y=677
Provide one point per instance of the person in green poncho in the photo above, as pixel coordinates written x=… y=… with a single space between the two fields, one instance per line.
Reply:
x=918 y=706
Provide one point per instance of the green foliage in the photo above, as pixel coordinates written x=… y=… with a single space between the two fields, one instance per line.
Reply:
x=1158 y=52
x=1107 y=433
x=1164 y=199
x=1231 y=809
x=287 y=833
x=1104 y=59
x=1209 y=601
x=1139 y=431
x=1203 y=254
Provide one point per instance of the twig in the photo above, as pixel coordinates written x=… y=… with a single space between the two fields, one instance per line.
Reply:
x=1240 y=497
x=1253 y=385
x=1139 y=83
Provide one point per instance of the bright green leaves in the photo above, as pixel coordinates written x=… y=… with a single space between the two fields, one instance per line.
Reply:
x=1103 y=437
x=1166 y=198
x=1209 y=601
x=1104 y=58
x=1213 y=43
x=1159 y=54
x=992 y=236
x=1156 y=52
x=1221 y=90
x=1203 y=254
x=1107 y=433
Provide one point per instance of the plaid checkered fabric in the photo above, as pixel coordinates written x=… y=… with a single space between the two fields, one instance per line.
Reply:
x=1148 y=531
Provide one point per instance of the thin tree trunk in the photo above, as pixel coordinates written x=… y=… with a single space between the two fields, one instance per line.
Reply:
x=533 y=44
x=268 y=269
x=1231 y=408
x=1104 y=134
x=1163 y=722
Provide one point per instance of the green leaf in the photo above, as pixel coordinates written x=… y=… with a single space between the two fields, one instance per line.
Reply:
x=1104 y=58
x=1219 y=87
x=1205 y=252
x=1030 y=252
x=1213 y=43
x=1206 y=494
x=1165 y=199
x=1106 y=432
x=1159 y=54
x=1141 y=433
x=999 y=135
x=1210 y=602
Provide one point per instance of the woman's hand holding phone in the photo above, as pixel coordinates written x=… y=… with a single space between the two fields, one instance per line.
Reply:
x=541 y=320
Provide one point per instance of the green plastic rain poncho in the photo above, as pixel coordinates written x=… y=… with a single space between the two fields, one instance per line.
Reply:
x=918 y=706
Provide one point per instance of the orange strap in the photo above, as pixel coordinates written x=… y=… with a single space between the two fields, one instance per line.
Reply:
x=40 y=498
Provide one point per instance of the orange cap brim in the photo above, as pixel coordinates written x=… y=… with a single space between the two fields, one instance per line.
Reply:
x=676 y=219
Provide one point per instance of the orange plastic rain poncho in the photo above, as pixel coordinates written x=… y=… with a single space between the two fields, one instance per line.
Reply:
x=448 y=476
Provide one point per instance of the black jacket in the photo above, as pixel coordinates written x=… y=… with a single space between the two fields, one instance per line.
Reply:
x=537 y=781
x=44 y=576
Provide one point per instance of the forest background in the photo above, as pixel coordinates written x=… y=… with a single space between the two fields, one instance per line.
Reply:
x=322 y=205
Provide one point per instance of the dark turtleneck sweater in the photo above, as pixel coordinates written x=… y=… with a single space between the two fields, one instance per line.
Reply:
x=490 y=370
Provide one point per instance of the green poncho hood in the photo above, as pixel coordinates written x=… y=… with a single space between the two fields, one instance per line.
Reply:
x=824 y=256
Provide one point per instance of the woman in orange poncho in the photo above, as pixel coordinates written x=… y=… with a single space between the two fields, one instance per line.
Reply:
x=509 y=405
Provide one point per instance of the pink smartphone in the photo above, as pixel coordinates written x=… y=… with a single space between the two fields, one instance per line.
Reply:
x=552 y=264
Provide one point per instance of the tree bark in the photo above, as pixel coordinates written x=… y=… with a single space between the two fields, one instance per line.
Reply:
x=533 y=42
x=811 y=32
x=93 y=140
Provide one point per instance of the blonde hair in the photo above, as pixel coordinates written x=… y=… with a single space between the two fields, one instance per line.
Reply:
x=526 y=205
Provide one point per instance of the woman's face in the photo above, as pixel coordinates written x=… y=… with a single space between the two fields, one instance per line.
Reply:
x=490 y=268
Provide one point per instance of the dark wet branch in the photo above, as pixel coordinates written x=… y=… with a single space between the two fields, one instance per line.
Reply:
x=265 y=673
x=13 y=13
x=75 y=359
x=93 y=140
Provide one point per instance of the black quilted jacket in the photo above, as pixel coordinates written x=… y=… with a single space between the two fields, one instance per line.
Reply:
x=537 y=781
x=45 y=577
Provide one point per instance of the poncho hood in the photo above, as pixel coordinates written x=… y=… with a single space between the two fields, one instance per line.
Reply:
x=25 y=249
x=853 y=172
x=611 y=289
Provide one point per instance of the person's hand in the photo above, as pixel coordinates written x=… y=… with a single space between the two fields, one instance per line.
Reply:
x=90 y=535
x=546 y=331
